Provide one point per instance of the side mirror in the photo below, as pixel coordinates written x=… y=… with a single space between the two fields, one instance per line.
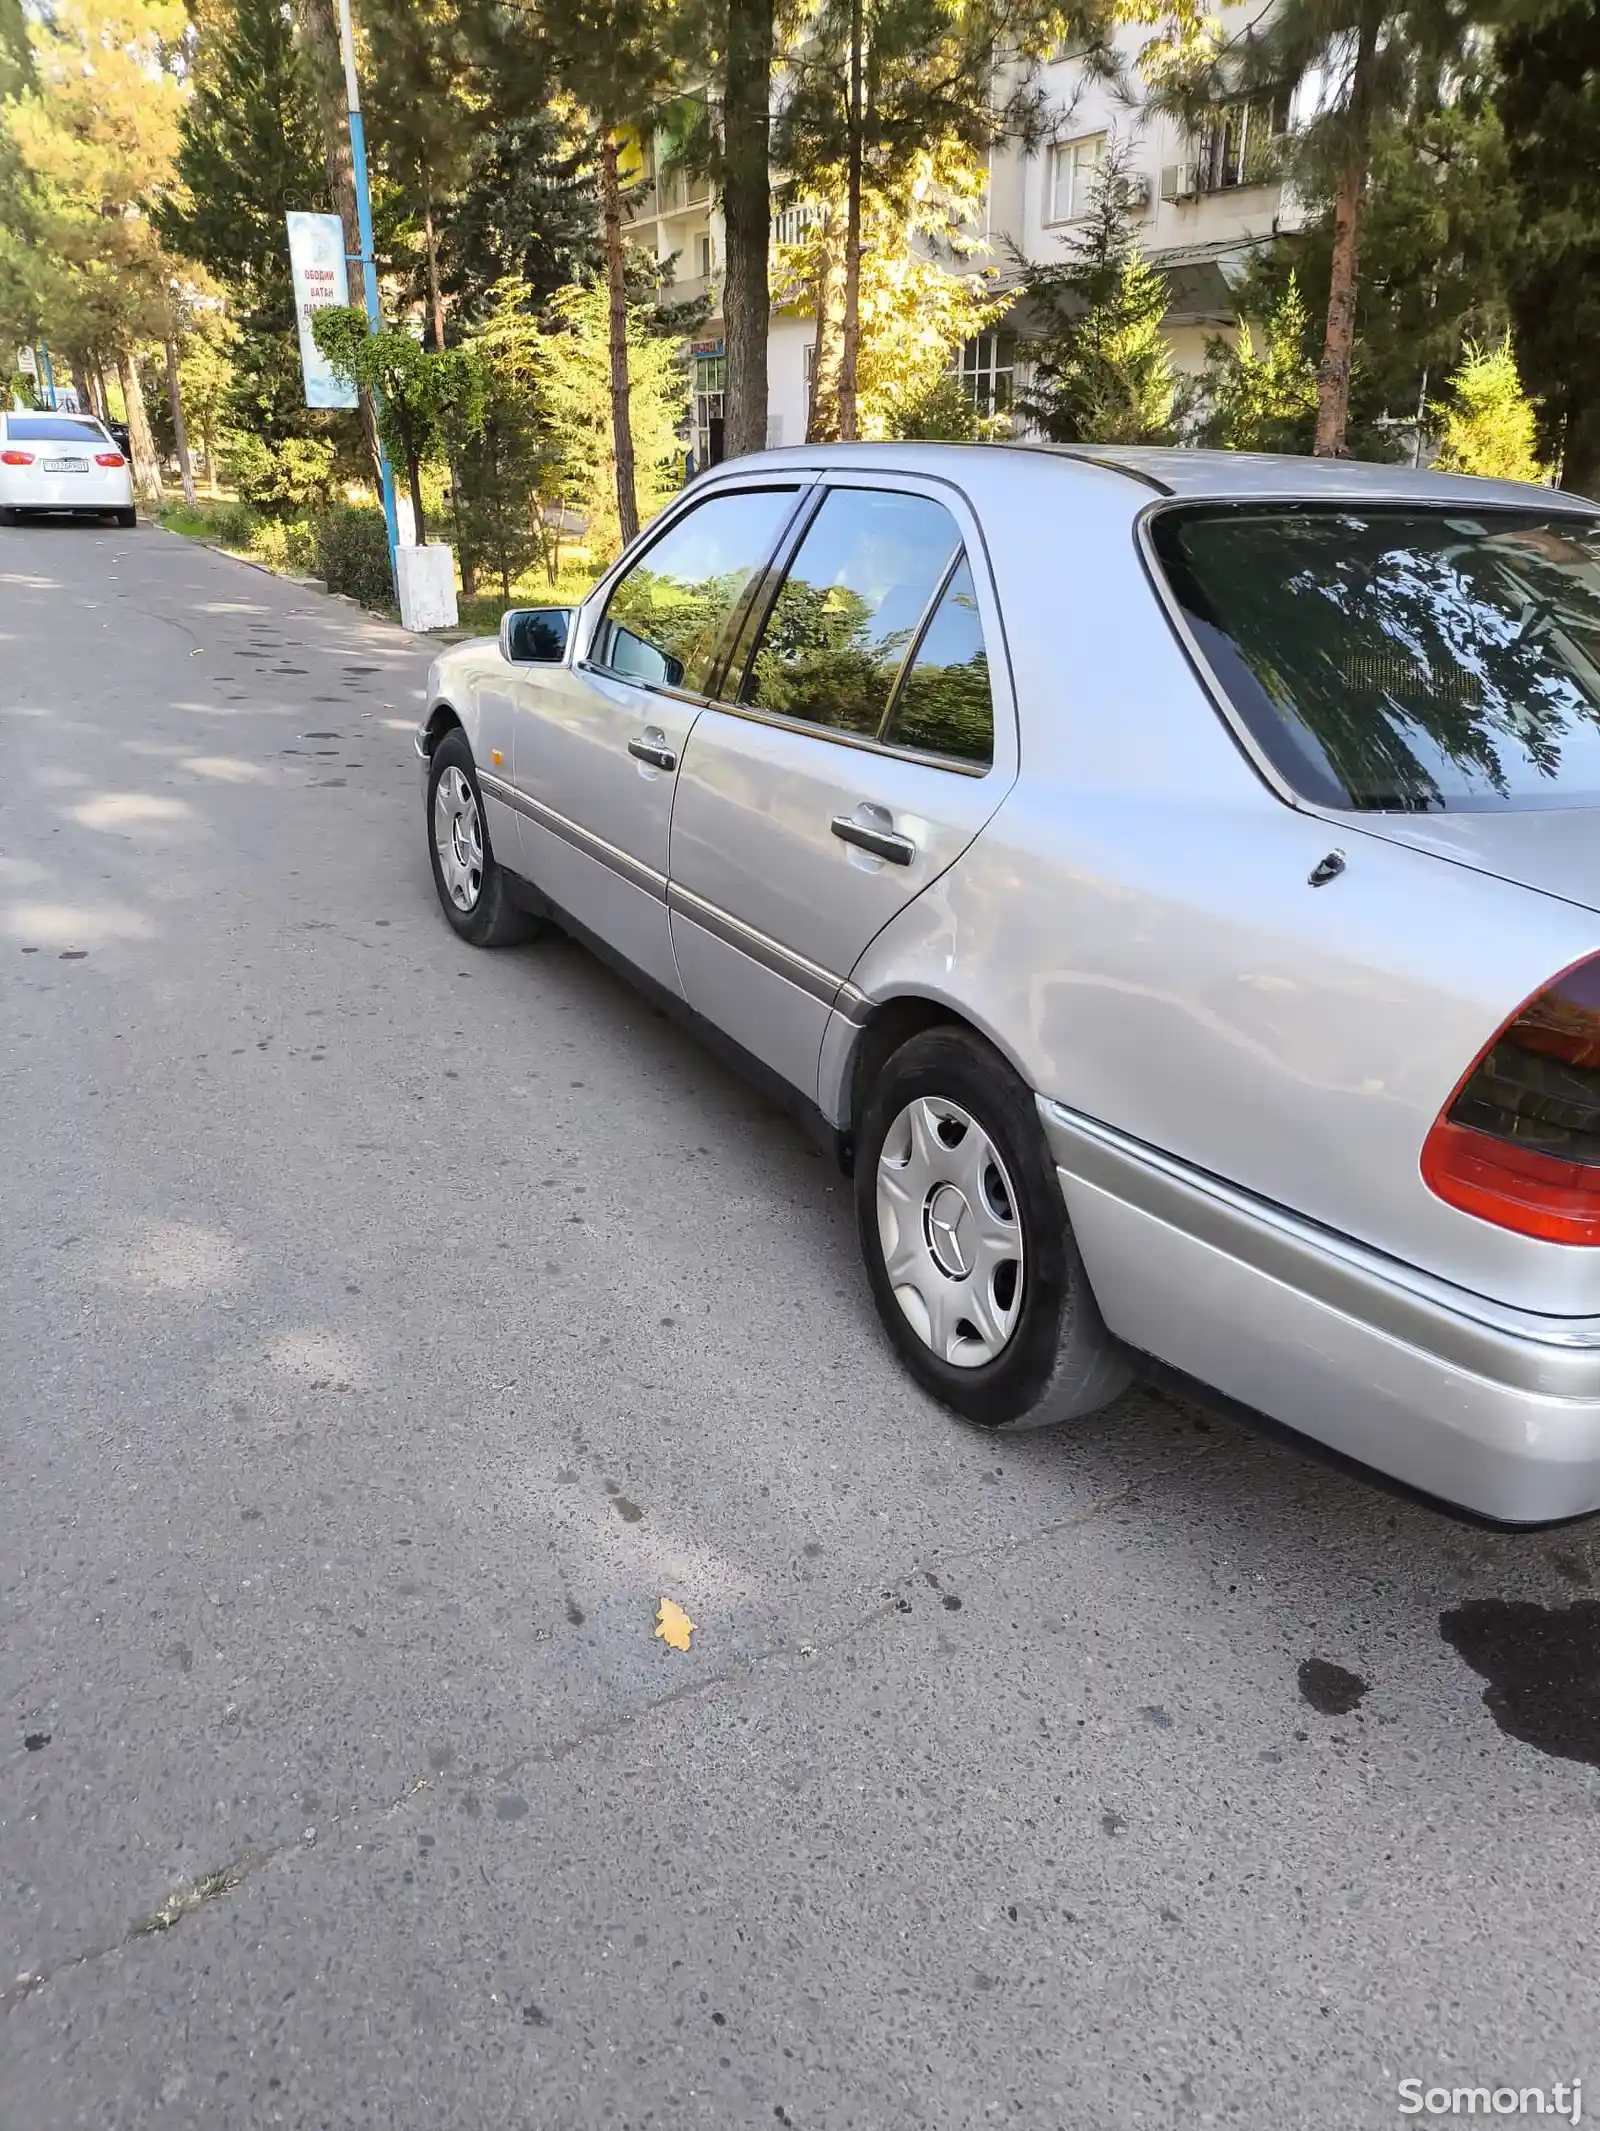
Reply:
x=535 y=636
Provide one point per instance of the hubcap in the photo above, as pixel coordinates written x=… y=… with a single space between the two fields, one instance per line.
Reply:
x=458 y=839
x=950 y=1232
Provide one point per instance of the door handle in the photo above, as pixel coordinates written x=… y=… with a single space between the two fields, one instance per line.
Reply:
x=656 y=752
x=882 y=843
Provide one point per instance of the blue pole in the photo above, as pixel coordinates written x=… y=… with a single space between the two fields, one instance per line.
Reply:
x=369 y=269
x=49 y=376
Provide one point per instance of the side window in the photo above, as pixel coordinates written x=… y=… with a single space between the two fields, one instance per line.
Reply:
x=944 y=706
x=665 y=618
x=849 y=607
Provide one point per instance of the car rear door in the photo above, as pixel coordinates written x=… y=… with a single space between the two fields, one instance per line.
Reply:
x=597 y=742
x=868 y=735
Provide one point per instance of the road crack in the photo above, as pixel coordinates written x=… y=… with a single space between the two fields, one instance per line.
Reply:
x=191 y=1896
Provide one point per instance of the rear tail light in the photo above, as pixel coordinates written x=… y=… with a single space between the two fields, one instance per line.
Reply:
x=16 y=458
x=109 y=458
x=1518 y=1143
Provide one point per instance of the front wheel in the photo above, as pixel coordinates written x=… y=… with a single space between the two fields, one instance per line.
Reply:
x=472 y=888
x=969 y=1251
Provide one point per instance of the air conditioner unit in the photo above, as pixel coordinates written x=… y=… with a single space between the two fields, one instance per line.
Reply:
x=1136 y=192
x=1180 y=181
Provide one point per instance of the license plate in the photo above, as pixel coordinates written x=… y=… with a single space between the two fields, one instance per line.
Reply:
x=66 y=466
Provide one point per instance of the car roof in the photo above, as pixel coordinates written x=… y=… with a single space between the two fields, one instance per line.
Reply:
x=1217 y=476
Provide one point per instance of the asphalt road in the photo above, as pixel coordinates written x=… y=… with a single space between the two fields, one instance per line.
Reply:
x=387 y=1328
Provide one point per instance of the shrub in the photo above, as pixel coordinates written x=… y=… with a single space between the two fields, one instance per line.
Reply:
x=285 y=544
x=285 y=476
x=233 y=524
x=352 y=551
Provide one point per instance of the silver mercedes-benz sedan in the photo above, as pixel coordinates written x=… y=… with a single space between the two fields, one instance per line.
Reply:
x=1170 y=880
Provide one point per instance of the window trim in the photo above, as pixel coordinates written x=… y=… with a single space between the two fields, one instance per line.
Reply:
x=812 y=483
x=799 y=486
x=1206 y=676
x=1049 y=218
x=908 y=667
x=776 y=572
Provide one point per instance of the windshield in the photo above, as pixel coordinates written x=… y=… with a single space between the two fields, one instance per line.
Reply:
x=1412 y=659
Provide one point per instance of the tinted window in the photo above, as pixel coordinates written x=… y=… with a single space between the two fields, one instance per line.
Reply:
x=1403 y=658
x=53 y=429
x=666 y=615
x=855 y=594
x=944 y=706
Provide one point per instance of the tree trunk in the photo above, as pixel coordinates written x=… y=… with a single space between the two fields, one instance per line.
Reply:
x=98 y=379
x=1580 y=453
x=146 y=467
x=822 y=421
x=621 y=423
x=318 y=26
x=1333 y=373
x=80 y=379
x=208 y=446
x=464 y=554
x=414 y=475
x=850 y=349
x=180 y=435
x=431 y=242
x=747 y=218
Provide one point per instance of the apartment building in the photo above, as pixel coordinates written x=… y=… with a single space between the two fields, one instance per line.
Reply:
x=1201 y=204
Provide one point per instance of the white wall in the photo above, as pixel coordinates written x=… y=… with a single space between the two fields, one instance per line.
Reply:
x=788 y=340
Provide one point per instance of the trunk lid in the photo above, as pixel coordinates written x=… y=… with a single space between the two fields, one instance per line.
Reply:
x=1553 y=849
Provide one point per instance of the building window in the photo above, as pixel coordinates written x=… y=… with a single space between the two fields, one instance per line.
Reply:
x=986 y=367
x=710 y=399
x=1237 y=148
x=705 y=258
x=1070 y=176
x=791 y=222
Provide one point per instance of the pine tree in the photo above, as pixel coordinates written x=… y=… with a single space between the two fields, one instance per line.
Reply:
x=1375 y=61
x=878 y=91
x=1549 y=102
x=1439 y=239
x=422 y=107
x=1487 y=424
x=616 y=59
x=248 y=153
x=1265 y=402
x=915 y=313
x=574 y=401
x=1101 y=368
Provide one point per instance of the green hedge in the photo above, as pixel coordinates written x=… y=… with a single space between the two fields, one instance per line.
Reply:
x=353 y=553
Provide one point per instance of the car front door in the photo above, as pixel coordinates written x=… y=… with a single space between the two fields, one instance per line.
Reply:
x=596 y=742
x=867 y=738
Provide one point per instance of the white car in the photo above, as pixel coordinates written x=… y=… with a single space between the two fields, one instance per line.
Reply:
x=66 y=463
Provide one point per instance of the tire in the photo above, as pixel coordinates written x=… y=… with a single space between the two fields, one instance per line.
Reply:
x=472 y=888
x=1018 y=1348
x=127 y=518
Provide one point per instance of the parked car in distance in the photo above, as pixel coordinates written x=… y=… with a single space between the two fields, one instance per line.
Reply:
x=1171 y=880
x=63 y=463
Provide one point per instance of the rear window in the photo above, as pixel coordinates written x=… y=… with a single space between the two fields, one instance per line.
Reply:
x=53 y=429
x=1402 y=659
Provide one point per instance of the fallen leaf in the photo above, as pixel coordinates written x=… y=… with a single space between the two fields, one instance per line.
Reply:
x=673 y=1625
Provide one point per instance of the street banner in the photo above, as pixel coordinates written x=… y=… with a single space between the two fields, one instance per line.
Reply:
x=317 y=268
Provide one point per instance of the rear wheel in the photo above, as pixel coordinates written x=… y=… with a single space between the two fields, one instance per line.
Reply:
x=472 y=888
x=964 y=1230
x=127 y=518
